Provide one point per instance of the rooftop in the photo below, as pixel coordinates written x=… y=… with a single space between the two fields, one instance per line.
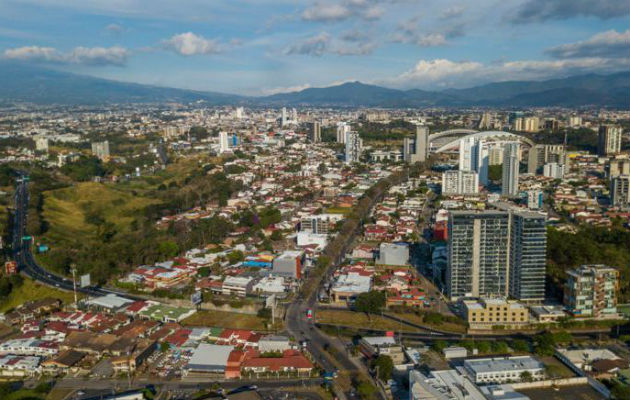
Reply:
x=485 y=365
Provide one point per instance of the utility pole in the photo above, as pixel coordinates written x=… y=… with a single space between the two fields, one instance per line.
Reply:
x=74 y=284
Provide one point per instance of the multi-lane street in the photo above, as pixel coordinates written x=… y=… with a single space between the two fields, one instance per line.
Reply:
x=22 y=248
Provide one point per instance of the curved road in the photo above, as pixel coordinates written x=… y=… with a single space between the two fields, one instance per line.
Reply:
x=22 y=253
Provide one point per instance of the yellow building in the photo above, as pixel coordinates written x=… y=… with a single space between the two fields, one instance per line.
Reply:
x=486 y=313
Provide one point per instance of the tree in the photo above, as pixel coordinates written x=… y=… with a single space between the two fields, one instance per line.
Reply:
x=168 y=249
x=370 y=302
x=439 y=345
x=366 y=390
x=276 y=235
x=520 y=346
x=384 y=366
x=164 y=347
x=526 y=376
x=235 y=256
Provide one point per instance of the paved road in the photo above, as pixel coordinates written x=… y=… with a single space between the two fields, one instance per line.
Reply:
x=23 y=255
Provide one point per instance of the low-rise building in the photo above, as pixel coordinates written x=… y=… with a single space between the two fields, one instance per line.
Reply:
x=503 y=370
x=289 y=264
x=486 y=313
x=237 y=285
x=393 y=254
x=375 y=346
x=348 y=286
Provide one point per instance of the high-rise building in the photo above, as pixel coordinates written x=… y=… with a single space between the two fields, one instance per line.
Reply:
x=509 y=182
x=315 y=131
x=528 y=250
x=284 y=116
x=239 y=113
x=354 y=145
x=460 y=182
x=416 y=149
x=553 y=170
x=591 y=291
x=534 y=199
x=618 y=165
x=101 y=150
x=477 y=254
x=474 y=156
x=527 y=124
x=41 y=144
x=496 y=253
x=342 y=129
x=542 y=154
x=609 y=140
x=620 y=191
x=224 y=142
x=575 y=121
x=495 y=155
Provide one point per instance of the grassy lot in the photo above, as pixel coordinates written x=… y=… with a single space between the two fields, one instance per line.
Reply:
x=360 y=321
x=30 y=290
x=59 y=394
x=223 y=319
x=339 y=210
x=419 y=319
x=66 y=209
x=24 y=394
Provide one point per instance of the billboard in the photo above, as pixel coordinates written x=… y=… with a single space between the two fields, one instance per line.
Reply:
x=85 y=280
x=196 y=298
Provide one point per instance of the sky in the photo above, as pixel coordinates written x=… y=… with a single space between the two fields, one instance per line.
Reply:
x=261 y=47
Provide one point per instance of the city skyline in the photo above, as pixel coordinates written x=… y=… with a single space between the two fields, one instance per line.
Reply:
x=259 y=48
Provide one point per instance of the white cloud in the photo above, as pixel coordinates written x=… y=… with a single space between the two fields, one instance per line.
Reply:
x=326 y=12
x=287 y=89
x=312 y=46
x=323 y=43
x=611 y=44
x=431 y=40
x=189 y=44
x=373 y=13
x=447 y=73
x=95 y=56
x=452 y=12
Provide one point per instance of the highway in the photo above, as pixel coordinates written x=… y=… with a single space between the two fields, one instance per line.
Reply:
x=22 y=249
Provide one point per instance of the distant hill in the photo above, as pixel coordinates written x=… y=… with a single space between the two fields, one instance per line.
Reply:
x=28 y=83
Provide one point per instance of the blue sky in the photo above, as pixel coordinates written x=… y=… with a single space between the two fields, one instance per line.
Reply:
x=264 y=46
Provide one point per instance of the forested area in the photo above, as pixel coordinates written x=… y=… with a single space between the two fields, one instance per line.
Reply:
x=589 y=245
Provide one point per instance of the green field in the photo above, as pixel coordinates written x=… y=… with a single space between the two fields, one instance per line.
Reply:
x=360 y=321
x=30 y=290
x=223 y=319
x=67 y=211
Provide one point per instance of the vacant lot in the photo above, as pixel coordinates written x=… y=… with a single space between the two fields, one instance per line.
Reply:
x=30 y=290
x=73 y=213
x=360 y=321
x=222 y=319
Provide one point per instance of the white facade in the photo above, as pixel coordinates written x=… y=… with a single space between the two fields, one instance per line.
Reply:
x=474 y=156
x=509 y=185
x=224 y=142
x=553 y=170
x=342 y=129
x=354 y=145
x=460 y=182
x=503 y=370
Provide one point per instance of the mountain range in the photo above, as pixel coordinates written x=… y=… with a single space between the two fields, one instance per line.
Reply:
x=34 y=84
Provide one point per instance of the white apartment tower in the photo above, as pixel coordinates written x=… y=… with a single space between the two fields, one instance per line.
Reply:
x=509 y=185
x=354 y=144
